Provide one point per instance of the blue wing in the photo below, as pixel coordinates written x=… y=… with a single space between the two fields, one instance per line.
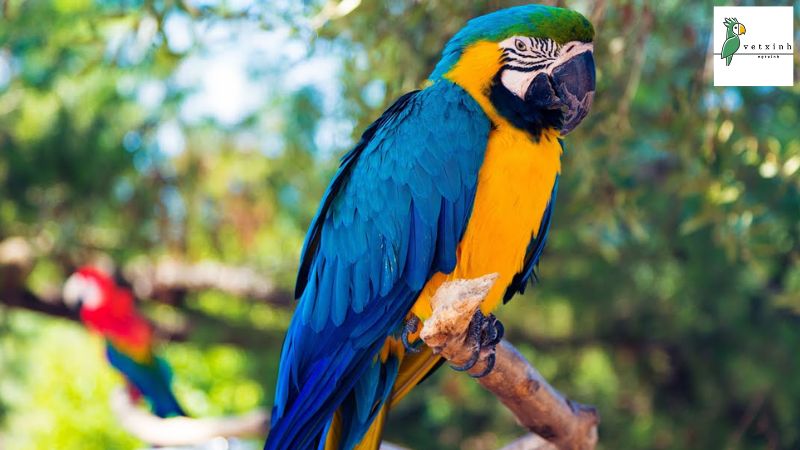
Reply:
x=152 y=380
x=311 y=243
x=393 y=215
x=534 y=251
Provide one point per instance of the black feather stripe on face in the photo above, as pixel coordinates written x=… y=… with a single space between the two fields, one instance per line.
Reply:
x=538 y=55
x=520 y=114
x=524 y=68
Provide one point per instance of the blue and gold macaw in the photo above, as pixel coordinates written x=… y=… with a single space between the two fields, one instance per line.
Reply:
x=454 y=181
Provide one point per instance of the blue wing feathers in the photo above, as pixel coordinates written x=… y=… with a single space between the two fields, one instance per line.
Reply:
x=448 y=239
x=312 y=239
x=342 y=292
x=376 y=384
x=420 y=240
x=392 y=216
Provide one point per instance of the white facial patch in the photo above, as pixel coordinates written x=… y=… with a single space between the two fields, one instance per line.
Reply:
x=79 y=288
x=524 y=58
x=517 y=82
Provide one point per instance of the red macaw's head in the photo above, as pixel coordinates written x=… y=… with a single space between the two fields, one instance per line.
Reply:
x=104 y=306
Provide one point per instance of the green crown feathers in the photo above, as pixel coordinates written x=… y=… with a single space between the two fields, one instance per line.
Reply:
x=730 y=21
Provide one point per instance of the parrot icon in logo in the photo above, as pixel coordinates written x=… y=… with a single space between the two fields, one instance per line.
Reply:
x=731 y=45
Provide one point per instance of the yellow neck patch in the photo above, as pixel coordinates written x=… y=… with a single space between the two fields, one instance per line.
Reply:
x=474 y=72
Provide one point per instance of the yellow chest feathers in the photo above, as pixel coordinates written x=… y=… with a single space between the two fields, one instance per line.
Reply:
x=515 y=183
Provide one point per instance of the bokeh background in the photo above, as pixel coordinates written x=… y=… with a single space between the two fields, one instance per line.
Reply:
x=152 y=135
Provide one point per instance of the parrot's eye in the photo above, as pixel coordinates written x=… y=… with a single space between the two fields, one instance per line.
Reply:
x=520 y=45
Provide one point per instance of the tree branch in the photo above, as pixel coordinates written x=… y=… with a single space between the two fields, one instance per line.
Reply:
x=26 y=299
x=166 y=277
x=224 y=331
x=176 y=431
x=521 y=388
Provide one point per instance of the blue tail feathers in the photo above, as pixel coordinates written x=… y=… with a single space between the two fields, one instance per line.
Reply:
x=152 y=380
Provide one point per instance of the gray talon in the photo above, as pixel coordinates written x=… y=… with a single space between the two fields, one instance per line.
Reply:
x=484 y=332
x=410 y=327
x=489 y=366
x=469 y=364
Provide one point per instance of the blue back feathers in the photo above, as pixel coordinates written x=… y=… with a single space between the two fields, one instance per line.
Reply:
x=393 y=215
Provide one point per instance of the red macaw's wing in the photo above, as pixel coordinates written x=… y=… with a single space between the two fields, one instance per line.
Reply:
x=393 y=215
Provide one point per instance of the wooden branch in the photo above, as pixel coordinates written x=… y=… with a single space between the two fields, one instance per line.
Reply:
x=165 y=279
x=151 y=279
x=183 y=430
x=224 y=331
x=536 y=405
x=25 y=299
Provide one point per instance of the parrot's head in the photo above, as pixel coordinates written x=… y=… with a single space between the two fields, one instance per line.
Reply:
x=104 y=306
x=530 y=66
x=734 y=27
x=88 y=290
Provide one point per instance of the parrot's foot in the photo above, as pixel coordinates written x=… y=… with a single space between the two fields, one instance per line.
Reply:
x=411 y=326
x=484 y=333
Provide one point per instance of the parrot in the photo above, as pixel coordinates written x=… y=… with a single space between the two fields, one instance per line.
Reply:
x=733 y=30
x=109 y=310
x=454 y=181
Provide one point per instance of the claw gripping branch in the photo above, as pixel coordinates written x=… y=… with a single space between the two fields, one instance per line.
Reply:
x=451 y=331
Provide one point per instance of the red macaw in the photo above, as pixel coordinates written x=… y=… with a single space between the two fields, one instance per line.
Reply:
x=109 y=310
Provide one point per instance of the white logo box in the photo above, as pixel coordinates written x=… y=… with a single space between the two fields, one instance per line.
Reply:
x=766 y=52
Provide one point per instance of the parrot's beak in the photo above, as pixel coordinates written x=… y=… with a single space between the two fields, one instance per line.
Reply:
x=569 y=87
x=741 y=29
x=574 y=82
x=77 y=305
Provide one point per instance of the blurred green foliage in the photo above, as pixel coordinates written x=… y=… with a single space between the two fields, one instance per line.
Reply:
x=670 y=290
x=57 y=372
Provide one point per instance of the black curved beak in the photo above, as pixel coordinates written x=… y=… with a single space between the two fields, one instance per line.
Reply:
x=570 y=88
x=76 y=307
